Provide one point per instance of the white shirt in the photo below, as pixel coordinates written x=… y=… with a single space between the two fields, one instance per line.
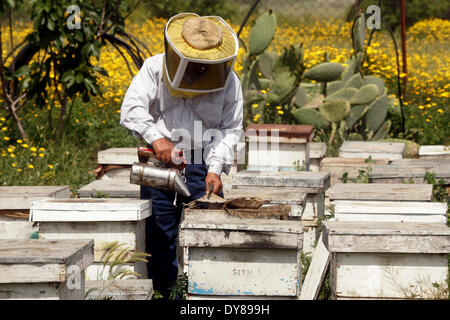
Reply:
x=150 y=112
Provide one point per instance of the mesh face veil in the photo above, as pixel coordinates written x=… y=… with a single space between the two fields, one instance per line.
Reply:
x=199 y=54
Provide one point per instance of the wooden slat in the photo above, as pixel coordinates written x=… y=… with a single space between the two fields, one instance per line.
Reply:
x=390 y=207
x=91 y=215
x=316 y=272
x=372 y=147
x=113 y=188
x=370 y=191
x=20 y=197
x=402 y=172
x=434 y=151
x=121 y=156
x=317 y=150
x=424 y=163
x=303 y=179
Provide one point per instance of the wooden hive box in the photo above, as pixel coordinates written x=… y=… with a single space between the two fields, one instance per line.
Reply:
x=314 y=184
x=104 y=220
x=44 y=269
x=391 y=201
x=401 y=173
x=15 y=208
x=337 y=167
x=114 y=188
x=132 y=289
x=387 y=260
x=228 y=257
x=317 y=151
x=434 y=152
x=376 y=150
x=117 y=162
x=276 y=147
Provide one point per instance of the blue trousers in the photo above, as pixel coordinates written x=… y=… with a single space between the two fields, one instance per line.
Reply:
x=162 y=227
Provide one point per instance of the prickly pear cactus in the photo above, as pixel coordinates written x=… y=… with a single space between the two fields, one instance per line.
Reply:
x=262 y=33
x=346 y=93
x=335 y=110
x=383 y=131
x=365 y=94
x=355 y=81
x=311 y=117
x=376 y=115
x=356 y=113
x=325 y=72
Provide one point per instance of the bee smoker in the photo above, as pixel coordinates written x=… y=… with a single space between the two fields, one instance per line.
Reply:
x=151 y=172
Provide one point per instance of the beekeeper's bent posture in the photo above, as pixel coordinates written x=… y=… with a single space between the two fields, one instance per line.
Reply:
x=192 y=83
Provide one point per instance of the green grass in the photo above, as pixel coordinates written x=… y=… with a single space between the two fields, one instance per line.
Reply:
x=72 y=160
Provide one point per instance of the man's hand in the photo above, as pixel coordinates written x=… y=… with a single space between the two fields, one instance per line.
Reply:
x=213 y=180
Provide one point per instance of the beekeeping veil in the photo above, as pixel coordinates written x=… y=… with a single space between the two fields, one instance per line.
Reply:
x=199 y=54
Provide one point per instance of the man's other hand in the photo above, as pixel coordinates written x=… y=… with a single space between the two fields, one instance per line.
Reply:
x=213 y=180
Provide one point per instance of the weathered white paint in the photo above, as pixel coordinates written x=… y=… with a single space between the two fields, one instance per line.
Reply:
x=380 y=192
x=386 y=260
x=254 y=257
x=15 y=228
x=19 y=197
x=113 y=188
x=316 y=272
x=390 y=276
x=434 y=152
x=394 y=211
x=120 y=156
x=407 y=173
x=41 y=269
x=376 y=150
x=254 y=272
x=130 y=233
x=122 y=174
x=267 y=154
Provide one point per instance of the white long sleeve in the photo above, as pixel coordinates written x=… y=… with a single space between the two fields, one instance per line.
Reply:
x=150 y=111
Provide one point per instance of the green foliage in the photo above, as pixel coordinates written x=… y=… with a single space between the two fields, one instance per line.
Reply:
x=335 y=110
x=366 y=94
x=416 y=10
x=311 y=117
x=168 y=8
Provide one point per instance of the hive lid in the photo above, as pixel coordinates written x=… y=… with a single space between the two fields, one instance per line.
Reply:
x=79 y=210
x=284 y=130
x=18 y=197
x=113 y=188
x=275 y=196
x=434 y=150
x=120 y=156
x=380 y=191
x=402 y=171
x=386 y=237
x=42 y=251
x=300 y=179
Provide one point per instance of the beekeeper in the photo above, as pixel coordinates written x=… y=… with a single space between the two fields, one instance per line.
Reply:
x=174 y=103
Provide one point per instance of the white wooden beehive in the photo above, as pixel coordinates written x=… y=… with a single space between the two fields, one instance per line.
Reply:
x=274 y=147
x=246 y=258
x=104 y=220
x=314 y=184
x=434 y=152
x=387 y=260
x=317 y=151
x=15 y=208
x=44 y=269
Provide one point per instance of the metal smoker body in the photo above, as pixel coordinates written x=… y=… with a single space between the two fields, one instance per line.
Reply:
x=153 y=173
